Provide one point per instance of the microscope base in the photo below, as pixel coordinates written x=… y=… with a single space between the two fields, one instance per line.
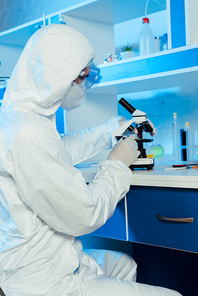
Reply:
x=143 y=163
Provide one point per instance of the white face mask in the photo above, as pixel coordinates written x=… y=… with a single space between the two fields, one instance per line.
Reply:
x=74 y=97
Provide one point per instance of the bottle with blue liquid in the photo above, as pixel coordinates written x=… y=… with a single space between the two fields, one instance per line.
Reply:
x=185 y=141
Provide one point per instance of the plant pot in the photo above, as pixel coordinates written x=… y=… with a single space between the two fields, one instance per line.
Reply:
x=127 y=54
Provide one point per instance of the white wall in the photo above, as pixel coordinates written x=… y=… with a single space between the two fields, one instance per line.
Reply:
x=96 y=110
x=100 y=35
x=191 y=7
x=9 y=56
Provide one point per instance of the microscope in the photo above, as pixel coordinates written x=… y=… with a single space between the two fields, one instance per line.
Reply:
x=140 y=122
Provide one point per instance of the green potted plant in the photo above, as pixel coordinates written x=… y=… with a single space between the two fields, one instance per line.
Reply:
x=127 y=52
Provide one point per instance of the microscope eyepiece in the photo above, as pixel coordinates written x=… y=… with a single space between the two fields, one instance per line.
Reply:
x=126 y=105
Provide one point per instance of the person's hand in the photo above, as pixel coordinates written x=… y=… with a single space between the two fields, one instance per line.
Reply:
x=125 y=150
x=154 y=132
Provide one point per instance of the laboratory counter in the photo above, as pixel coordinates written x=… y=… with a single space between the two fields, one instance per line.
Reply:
x=163 y=177
x=160 y=208
x=159 y=176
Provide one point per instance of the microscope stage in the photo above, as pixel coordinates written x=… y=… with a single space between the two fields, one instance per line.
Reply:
x=139 y=163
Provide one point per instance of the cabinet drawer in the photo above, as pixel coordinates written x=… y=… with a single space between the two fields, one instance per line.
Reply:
x=145 y=203
x=115 y=227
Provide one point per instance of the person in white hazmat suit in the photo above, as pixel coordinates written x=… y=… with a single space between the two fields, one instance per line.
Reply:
x=45 y=202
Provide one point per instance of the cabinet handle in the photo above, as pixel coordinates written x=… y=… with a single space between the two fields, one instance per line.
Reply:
x=179 y=220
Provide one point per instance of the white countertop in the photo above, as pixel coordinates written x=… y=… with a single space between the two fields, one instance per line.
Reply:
x=158 y=177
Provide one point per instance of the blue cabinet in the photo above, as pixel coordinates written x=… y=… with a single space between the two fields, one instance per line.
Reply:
x=115 y=227
x=145 y=203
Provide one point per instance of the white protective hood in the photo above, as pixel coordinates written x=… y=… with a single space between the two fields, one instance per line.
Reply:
x=53 y=57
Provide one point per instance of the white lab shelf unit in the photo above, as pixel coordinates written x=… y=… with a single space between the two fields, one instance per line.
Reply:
x=94 y=18
x=172 y=68
x=101 y=21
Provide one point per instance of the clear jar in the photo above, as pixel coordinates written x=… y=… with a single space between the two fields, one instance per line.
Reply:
x=158 y=43
x=116 y=58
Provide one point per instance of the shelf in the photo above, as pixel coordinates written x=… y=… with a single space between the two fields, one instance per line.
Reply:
x=20 y=35
x=176 y=67
x=105 y=11
x=116 y=11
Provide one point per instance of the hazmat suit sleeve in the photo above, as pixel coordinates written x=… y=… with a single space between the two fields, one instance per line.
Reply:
x=56 y=191
x=90 y=141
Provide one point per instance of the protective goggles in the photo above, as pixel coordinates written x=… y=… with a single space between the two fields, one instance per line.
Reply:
x=93 y=76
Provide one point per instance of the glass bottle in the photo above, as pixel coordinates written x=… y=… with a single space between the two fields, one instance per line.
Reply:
x=174 y=125
x=184 y=138
x=158 y=43
x=109 y=58
x=116 y=58
x=165 y=40
x=196 y=144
